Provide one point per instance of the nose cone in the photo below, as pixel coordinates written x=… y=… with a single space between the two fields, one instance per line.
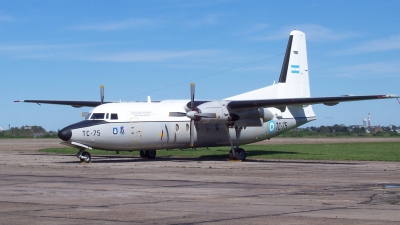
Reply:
x=65 y=134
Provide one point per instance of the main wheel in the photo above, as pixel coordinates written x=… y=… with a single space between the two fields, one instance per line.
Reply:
x=231 y=155
x=142 y=153
x=240 y=154
x=151 y=154
x=88 y=157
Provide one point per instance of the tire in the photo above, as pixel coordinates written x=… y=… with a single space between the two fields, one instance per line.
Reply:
x=88 y=157
x=231 y=155
x=142 y=153
x=241 y=154
x=151 y=154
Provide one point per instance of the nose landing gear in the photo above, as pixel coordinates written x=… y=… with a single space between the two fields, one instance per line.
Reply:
x=84 y=156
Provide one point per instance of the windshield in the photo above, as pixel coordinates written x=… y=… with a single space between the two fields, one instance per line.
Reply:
x=97 y=116
x=88 y=116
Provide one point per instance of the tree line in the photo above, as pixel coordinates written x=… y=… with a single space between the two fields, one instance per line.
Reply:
x=27 y=132
x=343 y=130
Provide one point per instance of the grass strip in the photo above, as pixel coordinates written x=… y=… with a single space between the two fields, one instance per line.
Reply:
x=376 y=151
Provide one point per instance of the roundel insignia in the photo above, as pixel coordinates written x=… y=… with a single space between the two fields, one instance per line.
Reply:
x=271 y=126
x=115 y=130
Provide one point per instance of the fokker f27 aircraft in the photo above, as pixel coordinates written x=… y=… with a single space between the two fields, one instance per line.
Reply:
x=242 y=119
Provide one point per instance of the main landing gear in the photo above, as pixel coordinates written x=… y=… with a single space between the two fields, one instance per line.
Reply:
x=151 y=154
x=236 y=153
x=84 y=156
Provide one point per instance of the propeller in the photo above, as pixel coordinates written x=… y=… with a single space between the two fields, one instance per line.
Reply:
x=102 y=94
x=192 y=88
x=194 y=114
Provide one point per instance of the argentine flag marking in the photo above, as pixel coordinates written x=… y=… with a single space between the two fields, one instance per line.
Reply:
x=295 y=68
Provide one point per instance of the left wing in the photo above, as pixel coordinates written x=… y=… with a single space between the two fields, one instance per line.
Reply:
x=76 y=104
x=330 y=101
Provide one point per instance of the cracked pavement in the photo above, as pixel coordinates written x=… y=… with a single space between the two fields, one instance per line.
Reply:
x=39 y=188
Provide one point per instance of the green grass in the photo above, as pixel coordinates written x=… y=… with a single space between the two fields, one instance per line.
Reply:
x=384 y=151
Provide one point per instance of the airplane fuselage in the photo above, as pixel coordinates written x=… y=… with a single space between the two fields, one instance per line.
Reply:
x=148 y=126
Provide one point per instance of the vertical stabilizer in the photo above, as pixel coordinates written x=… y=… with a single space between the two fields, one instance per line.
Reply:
x=294 y=74
x=293 y=80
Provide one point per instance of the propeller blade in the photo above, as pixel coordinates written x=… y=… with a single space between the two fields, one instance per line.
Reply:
x=177 y=114
x=192 y=87
x=206 y=115
x=191 y=133
x=102 y=94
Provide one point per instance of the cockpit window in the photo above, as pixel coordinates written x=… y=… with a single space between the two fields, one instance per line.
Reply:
x=97 y=116
x=114 y=116
x=88 y=116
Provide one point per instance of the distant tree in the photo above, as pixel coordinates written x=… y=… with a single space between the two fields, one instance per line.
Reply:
x=362 y=130
x=324 y=130
x=38 y=129
x=344 y=129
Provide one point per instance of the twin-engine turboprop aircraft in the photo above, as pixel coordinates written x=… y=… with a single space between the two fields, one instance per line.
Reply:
x=242 y=119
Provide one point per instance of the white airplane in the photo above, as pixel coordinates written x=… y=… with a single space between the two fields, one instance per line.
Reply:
x=242 y=119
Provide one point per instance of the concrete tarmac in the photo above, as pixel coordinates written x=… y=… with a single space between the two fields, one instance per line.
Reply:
x=37 y=188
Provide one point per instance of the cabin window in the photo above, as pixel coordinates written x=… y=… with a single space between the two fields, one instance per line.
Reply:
x=114 y=116
x=97 y=116
x=107 y=116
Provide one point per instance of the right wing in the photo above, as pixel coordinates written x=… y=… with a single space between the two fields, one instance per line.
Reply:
x=278 y=103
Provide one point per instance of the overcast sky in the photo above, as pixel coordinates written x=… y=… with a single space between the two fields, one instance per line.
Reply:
x=66 y=49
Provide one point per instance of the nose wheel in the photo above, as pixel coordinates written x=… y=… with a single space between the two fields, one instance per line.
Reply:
x=84 y=156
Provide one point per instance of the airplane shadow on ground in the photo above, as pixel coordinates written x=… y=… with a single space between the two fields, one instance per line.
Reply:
x=223 y=157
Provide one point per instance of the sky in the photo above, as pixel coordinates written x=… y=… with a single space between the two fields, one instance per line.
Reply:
x=64 y=50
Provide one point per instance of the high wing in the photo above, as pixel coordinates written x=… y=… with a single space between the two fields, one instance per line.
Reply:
x=76 y=104
x=278 y=103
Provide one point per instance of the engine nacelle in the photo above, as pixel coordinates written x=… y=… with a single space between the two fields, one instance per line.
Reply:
x=226 y=115
x=218 y=108
x=270 y=113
